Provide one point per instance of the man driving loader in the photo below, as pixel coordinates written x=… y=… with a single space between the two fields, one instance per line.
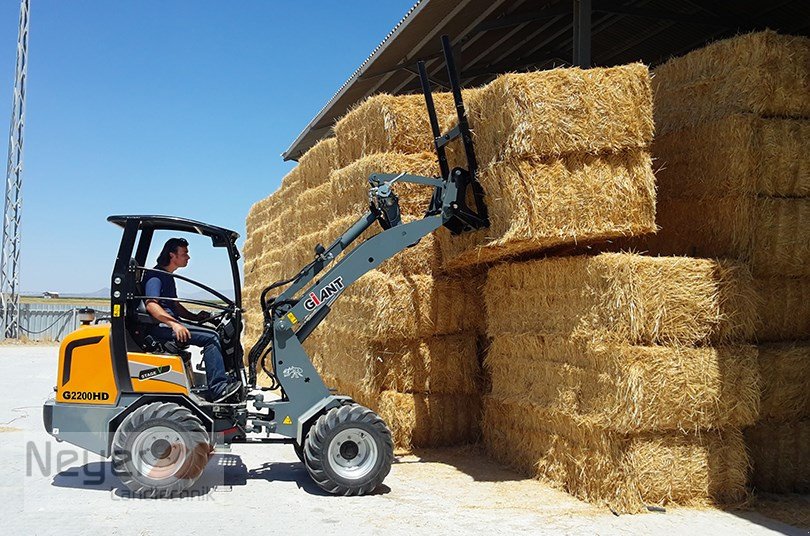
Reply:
x=169 y=312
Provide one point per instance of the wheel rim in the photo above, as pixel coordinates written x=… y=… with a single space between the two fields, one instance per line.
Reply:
x=159 y=452
x=352 y=453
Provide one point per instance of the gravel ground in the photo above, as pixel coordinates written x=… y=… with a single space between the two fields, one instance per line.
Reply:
x=67 y=491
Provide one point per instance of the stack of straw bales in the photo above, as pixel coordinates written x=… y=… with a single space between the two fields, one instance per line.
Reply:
x=403 y=339
x=624 y=378
x=734 y=139
x=630 y=380
x=564 y=158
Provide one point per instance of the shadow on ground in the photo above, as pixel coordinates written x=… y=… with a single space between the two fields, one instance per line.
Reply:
x=469 y=459
x=787 y=514
x=223 y=470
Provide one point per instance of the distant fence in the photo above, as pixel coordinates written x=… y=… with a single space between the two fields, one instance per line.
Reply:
x=49 y=322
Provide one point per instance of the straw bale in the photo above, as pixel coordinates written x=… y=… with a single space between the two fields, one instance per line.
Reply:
x=316 y=164
x=423 y=258
x=442 y=364
x=625 y=472
x=265 y=215
x=784 y=309
x=535 y=205
x=259 y=211
x=312 y=210
x=626 y=388
x=738 y=155
x=558 y=112
x=625 y=298
x=711 y=466
x=434 y=420
x=354 y=391
x=333 y=355
x=293 y=179
x=762 y=73
x=770 y=234
x=785 y=371
x=385 y=123
x=780 y=454
x=383 y=306
x=322 y=213
x=350 y=184
x=290 y=184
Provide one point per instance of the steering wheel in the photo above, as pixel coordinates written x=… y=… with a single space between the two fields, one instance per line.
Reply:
x=215 y=318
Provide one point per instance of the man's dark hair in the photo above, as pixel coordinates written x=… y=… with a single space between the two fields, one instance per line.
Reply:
x=170 y=246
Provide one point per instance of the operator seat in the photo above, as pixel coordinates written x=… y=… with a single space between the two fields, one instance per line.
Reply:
x=137 y=318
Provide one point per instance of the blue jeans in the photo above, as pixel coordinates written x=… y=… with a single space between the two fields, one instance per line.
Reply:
x=212 y=353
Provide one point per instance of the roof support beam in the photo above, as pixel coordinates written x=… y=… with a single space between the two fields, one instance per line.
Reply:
x=500 y=68
x=582 y=33
x=463 y=41
x=514 y=20
x=614 y=8
x=406 y=64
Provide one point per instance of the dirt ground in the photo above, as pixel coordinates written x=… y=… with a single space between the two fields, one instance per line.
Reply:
x=54 y=488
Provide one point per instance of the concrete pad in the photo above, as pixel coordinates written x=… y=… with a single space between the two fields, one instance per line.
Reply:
x=54 y=488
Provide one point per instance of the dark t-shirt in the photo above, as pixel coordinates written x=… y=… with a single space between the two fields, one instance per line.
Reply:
x=161 y=285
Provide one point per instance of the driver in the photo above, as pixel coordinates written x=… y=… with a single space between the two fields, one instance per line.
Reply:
x=169 y=313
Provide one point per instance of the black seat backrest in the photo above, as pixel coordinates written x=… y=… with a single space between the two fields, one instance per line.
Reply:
x=137 y=317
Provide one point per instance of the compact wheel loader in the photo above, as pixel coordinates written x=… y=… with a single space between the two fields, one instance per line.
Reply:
x=122 y=394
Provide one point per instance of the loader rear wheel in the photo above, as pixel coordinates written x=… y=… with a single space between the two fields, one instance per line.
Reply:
x=159 y=450
x=349 y=450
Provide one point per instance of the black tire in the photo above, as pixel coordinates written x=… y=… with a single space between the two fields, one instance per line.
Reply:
x=160 y=449
x=299 y=449
x=349 y=450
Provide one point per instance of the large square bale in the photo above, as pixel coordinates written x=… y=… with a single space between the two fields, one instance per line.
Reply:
x=626 y=388
x=430 y=420
x=535 y=205
x=780 y=454
x=446 y=364
x=739 y=155
x=557 y=112
x=382 y=306
x=785 y=371
x=769 y=234
x=623 y=297
x=784 y=309
x=625 y=472
x=762 y=73
x=316 y=164
x=386 y=123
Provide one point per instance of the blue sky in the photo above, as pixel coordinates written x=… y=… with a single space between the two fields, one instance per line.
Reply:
x=166 y=107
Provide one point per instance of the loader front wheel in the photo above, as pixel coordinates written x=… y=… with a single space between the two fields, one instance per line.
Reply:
x=349 y=450
x=160 y=449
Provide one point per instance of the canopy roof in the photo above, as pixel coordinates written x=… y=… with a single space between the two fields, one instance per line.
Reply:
x=496 y=36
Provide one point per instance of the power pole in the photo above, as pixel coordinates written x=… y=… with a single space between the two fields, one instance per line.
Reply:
x=10 y=260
